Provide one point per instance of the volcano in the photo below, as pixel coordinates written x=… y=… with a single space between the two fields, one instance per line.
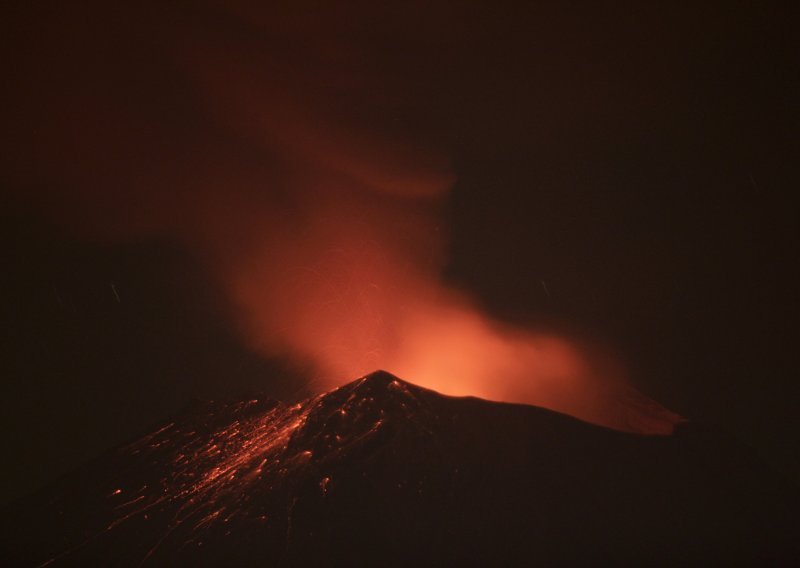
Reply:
x=382 y=472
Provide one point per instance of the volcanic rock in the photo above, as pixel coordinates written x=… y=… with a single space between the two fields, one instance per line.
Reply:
x=382 y=472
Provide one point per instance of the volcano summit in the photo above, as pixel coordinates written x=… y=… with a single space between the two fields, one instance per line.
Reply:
x=383 y=472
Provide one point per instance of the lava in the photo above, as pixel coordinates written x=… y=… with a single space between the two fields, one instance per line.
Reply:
x=382 y=469
x=211 y=475
x=245 y=452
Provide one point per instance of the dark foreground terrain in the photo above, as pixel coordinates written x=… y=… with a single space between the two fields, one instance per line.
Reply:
x=383 y=472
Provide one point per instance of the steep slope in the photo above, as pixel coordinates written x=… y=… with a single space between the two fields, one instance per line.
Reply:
x=383 y=472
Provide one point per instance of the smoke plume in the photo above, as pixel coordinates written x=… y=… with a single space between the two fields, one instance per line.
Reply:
x=280 y=147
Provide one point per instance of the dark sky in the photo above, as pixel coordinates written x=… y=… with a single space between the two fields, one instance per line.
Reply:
x=624 y=170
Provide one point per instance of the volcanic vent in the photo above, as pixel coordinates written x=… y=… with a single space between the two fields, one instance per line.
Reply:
x=381 y=471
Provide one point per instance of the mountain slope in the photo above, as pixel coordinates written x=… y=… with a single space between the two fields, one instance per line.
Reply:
x=383 y=472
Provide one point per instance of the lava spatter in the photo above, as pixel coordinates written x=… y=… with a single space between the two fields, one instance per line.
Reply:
x=381 y=471
x=220 y=458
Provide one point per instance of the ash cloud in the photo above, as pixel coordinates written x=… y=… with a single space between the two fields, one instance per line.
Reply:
x=277 y=146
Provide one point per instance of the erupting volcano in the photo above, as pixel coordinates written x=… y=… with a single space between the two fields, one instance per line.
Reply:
x=383 y=472
x=530 y=213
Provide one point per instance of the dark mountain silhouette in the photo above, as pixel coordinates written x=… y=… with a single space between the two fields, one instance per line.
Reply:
x=382 y=472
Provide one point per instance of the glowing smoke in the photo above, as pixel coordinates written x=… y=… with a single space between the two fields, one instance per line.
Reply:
x=262 y=142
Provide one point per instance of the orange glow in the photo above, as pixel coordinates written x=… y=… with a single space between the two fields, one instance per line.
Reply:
x=303 y=190
x=351 y=314
x=349 y=277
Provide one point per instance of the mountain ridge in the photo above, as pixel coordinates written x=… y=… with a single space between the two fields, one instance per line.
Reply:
x=380 y=471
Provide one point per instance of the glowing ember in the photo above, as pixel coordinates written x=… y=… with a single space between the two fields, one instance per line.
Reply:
x=373 y=465
x=249 y=449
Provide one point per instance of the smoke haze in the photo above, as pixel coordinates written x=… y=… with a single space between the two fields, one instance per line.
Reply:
x=278 y=149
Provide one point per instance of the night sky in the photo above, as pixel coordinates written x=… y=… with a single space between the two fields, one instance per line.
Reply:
x=625 y=172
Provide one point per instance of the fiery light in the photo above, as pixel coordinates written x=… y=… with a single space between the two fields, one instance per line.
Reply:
x=323 y=227
x=252 y=461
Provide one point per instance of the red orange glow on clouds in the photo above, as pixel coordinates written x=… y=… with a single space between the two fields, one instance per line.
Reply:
x=320 y=221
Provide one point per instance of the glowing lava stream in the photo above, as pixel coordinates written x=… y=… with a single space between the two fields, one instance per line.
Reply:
x=211 y=476
x=214 y=476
